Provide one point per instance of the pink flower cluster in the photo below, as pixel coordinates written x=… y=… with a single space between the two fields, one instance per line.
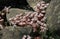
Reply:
x=32 y=18
x=26 y=37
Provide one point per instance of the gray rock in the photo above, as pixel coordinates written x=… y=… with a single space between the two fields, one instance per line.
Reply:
x=53 y=15
x=32 y=3
x=15 y=33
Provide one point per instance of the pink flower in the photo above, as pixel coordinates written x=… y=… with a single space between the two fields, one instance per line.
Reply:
x=39 y=22
x=24 y=37
x=20 y=23
x=43 y=19
x=43 y=11
x=1 y=27
x=36 y=15
x=20 y=14
x=45 y=25
x=1 y=21
x=42 y=8
x=38 y=4
x=47 y=4
x=17 y=15
x=17 y=21
x=42 y=5
x=41 y=14
x=28 y=37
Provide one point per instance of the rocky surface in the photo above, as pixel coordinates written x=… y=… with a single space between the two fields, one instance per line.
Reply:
x=32 y=3
x=14 y=33
x=53 y=16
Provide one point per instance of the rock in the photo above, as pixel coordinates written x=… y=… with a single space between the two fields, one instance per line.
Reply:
x=15 y=33
x=0 y=34
x=53 y=15
x=32 y=3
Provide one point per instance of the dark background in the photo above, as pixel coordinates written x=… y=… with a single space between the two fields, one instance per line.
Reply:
x=22 y=4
